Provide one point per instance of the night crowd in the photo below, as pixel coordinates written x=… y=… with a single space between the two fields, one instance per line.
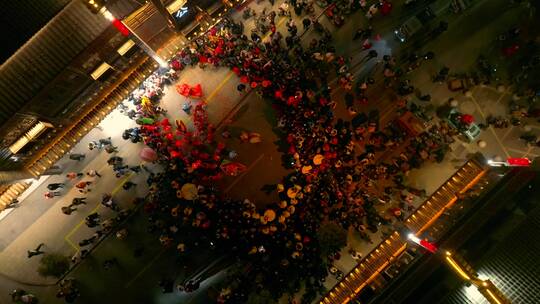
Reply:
x=341 y=168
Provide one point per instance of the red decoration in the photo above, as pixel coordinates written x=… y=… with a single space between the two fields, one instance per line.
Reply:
x=196 y=91
x=120 y=27
x=518 y=161
x=183 y=89
x=466 y=119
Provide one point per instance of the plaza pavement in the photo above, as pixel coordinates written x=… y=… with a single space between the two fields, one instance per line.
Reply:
x=253 y=114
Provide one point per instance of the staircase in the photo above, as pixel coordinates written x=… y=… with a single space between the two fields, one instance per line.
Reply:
x=10 y=192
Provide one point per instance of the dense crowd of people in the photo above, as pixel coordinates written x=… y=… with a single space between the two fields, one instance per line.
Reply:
x=337 y=169
x=349 y=171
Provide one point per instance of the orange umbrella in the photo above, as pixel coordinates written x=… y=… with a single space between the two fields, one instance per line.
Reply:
x=317 y=160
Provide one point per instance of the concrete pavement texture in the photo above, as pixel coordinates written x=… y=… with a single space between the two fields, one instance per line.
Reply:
x=39 y=220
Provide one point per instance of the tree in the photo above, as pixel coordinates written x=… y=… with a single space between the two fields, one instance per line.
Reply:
x=331 y=237
x=54 y=265
x=263 y=297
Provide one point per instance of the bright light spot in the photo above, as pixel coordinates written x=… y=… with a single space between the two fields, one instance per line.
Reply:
x=108 y=15
x=473 y=294
x=162 y=63
x=413 y=238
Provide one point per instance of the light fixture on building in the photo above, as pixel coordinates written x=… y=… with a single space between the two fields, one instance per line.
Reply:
x=33 y=133
x=100 y=70
x=122 y=50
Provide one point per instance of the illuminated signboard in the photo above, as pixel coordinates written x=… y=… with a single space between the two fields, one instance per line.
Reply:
x=181 y=12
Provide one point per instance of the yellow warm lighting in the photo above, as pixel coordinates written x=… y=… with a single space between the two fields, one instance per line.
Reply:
x=125 y=47
x=34 y=132
x=493 y=297
x=457 y=268
x=175 y=6
x=100 y=70
x=18 y=145
x=108 y=15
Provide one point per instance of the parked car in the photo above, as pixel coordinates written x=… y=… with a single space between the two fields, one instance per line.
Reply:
x=415 y=23
x=408 y=28
x=470 y=131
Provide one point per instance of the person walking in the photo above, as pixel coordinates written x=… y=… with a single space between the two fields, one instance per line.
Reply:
x=105 y=141
x=51 y=194
x=73 y=175
x=36 y=251
x=241 y=88
x=67 y=210
x=111 y=149
x=54 y=186
x=77 y=156
x=136 y=169
x=128 y=185
x=306 y=22
x=84 y=186
x=78 y=201
x=14 y=203
x=93 y=173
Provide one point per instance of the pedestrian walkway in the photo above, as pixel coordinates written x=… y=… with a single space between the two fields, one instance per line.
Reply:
x=40 y=220
x=392 y=247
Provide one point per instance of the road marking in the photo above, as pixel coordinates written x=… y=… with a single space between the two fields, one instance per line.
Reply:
x=499 y=141
x=244 y=173
x=145 y=268
x=220 y=85
x=528 y=152
x=67 y=237
x=500 y=97
x=507 y=132
x=522 y=152
x=490 y=127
